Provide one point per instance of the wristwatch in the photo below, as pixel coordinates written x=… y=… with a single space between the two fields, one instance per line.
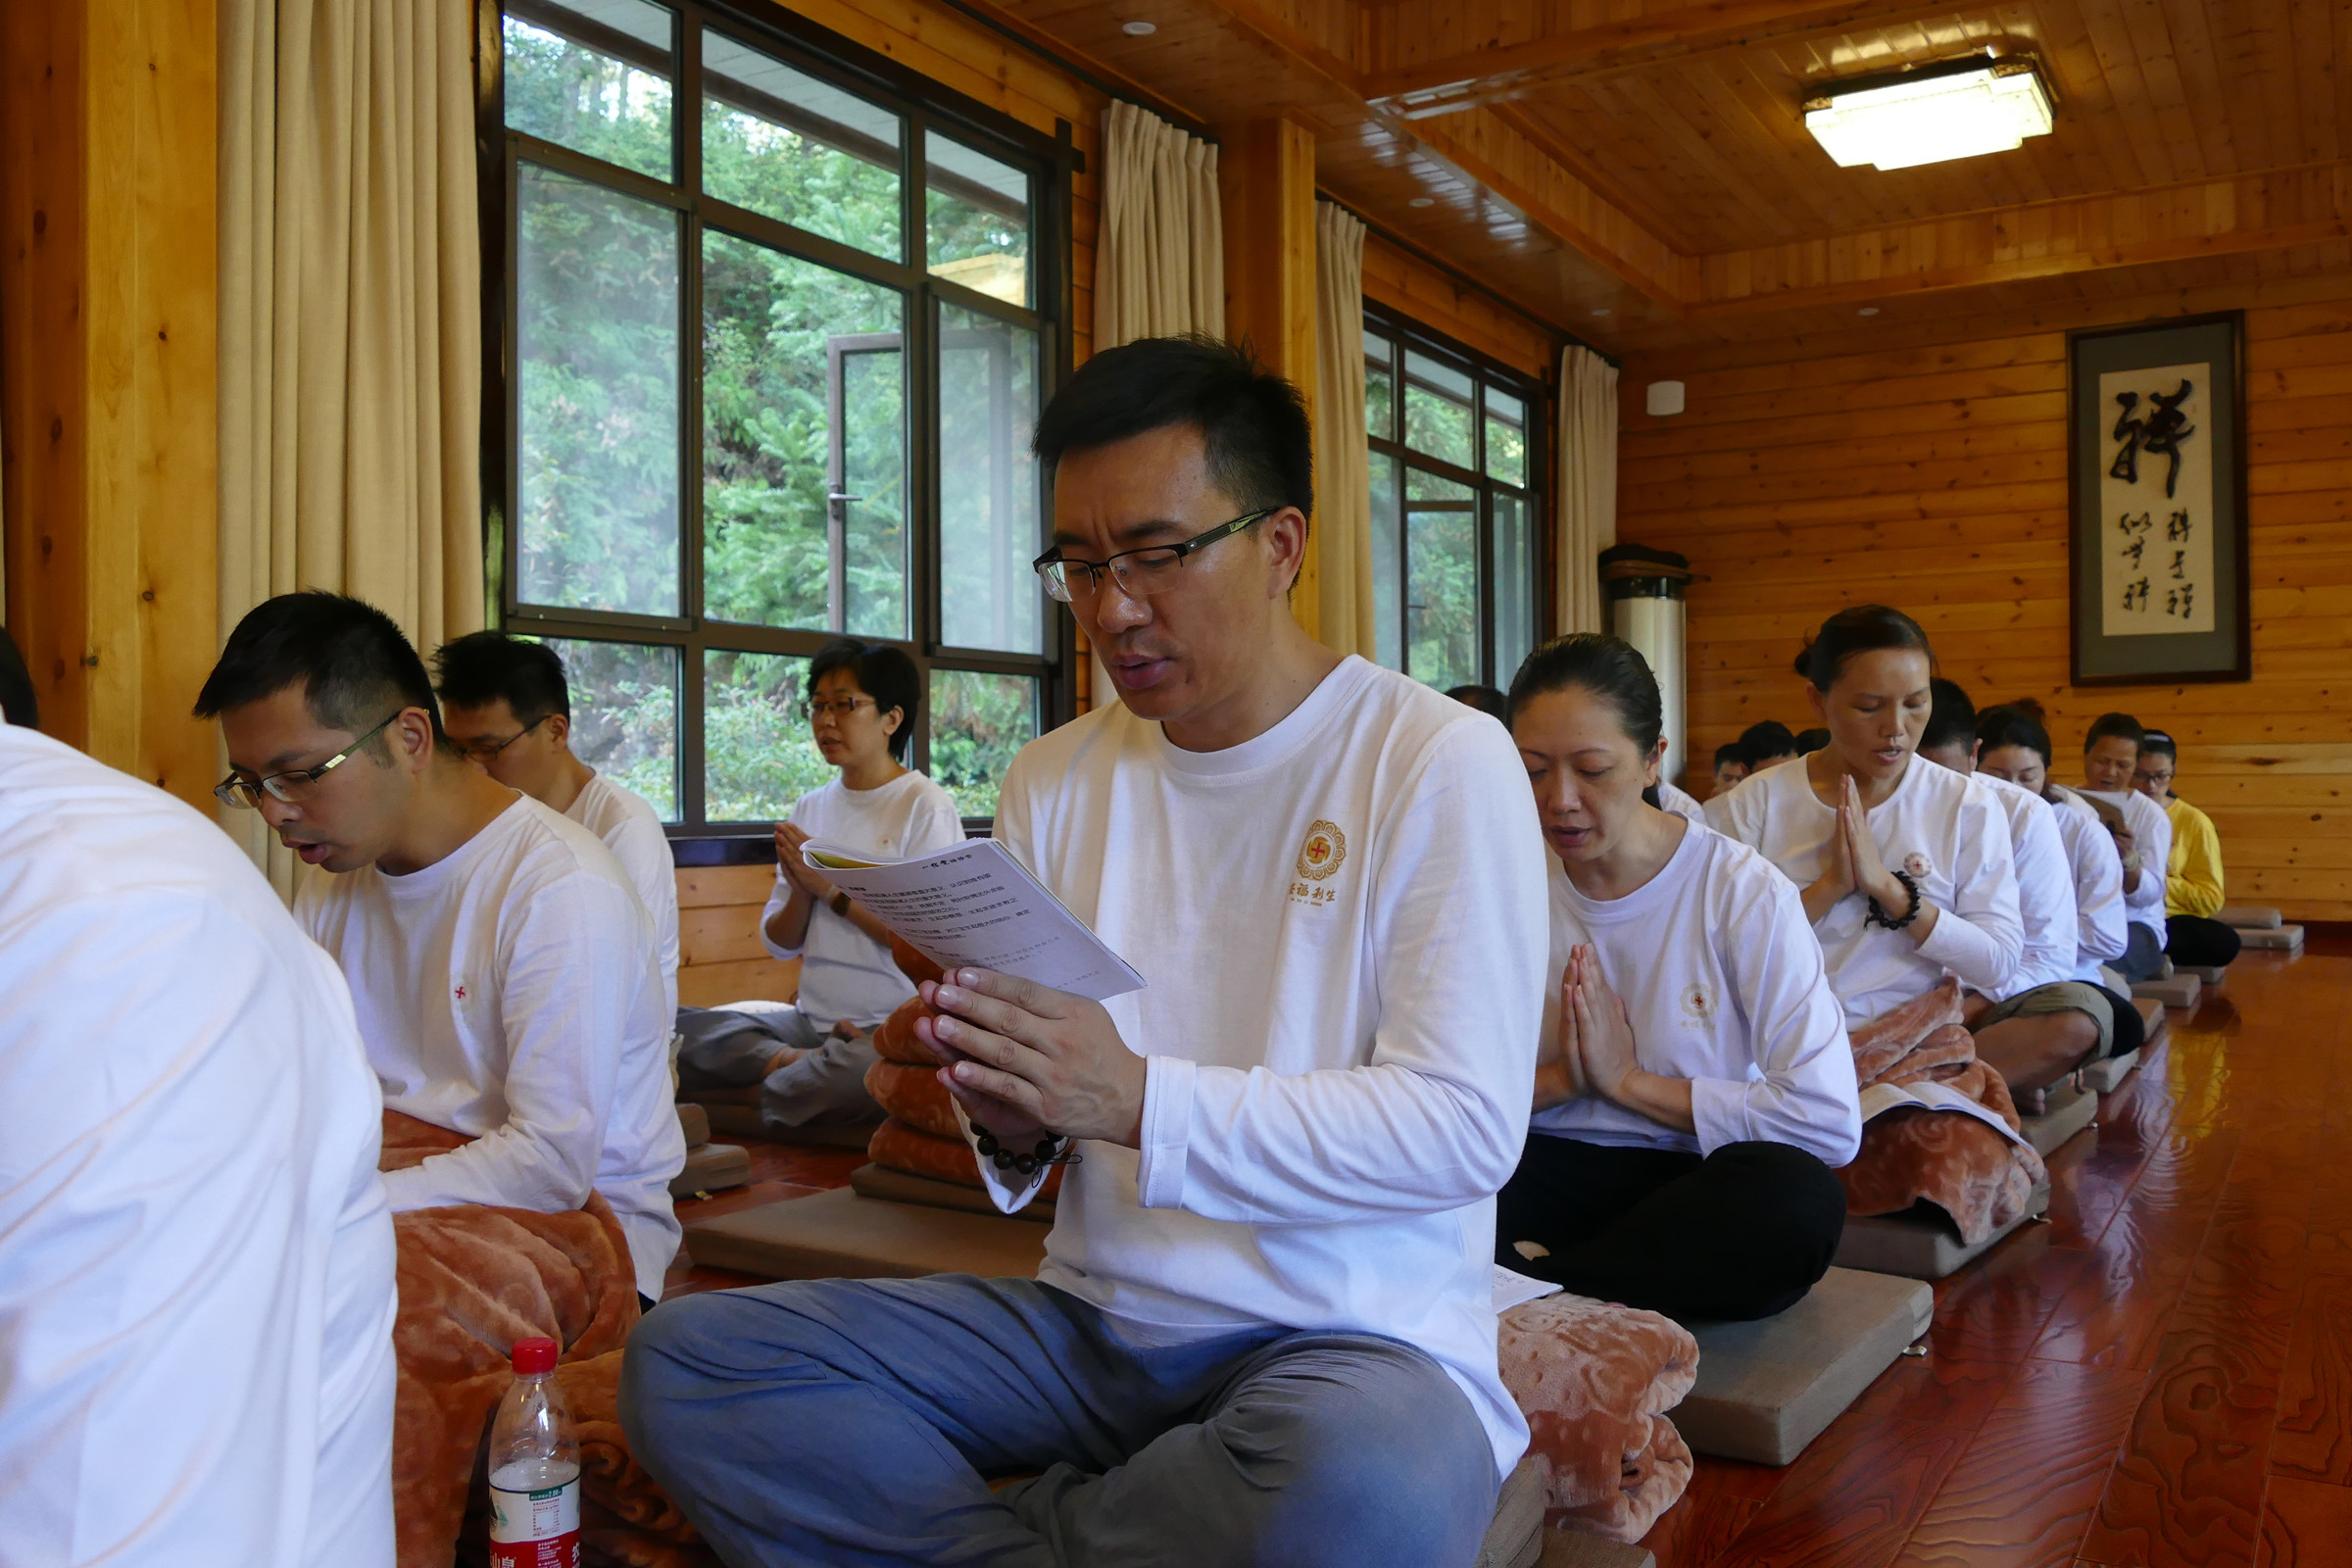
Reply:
x=839 y=904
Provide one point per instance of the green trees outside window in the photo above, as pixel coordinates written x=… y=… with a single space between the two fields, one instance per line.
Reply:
x=778 y=330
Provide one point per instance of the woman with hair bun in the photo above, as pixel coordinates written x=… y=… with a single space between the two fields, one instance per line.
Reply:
x=1906 y=868
x=1694 y=1084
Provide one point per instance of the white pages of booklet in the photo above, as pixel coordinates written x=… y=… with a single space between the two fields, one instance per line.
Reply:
x=973 y=904
x=1880 y=1099
x=1513 y=1288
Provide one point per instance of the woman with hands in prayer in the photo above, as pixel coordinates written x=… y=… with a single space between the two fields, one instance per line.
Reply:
x=1693 y=1085
x=1906 y=868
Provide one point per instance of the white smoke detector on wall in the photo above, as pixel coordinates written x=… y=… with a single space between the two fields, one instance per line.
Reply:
x=1664 y=399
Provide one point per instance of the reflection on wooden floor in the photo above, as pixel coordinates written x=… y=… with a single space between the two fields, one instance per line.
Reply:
x=2160 y=1376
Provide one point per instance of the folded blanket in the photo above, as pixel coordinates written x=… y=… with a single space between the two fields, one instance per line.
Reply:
x=1970 y=1171
x=1595 y=1382
x=474 y=1279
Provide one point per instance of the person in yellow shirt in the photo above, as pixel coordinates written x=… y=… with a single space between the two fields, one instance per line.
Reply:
x=2192 y=879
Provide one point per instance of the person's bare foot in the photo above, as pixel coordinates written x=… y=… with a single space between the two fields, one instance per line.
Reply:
x=782 y=1059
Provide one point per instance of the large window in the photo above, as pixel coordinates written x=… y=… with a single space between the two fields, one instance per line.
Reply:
x=778 y=324
x=1456 y=533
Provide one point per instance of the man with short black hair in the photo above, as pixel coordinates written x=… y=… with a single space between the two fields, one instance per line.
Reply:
x=506 y=705
x=1264 y=1329
x=502 y=967
x=2110 y=759
x=1731 y=767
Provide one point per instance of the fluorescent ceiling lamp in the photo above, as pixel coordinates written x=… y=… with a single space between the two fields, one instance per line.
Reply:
x=1962 y=109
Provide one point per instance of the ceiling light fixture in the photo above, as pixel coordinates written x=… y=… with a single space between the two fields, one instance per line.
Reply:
x=1951 y=109
x=1139 y=29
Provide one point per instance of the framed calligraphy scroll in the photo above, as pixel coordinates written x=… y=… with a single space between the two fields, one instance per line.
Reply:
x=2156 y=471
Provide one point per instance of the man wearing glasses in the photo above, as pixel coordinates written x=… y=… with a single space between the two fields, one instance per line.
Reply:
x=488 y=682
x=1265 y=1329
x=502 y=966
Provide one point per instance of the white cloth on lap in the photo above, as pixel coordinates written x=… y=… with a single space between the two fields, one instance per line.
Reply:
x=508 y=991
x=1724 y=984
x=196 y=1259
x=628 y=826
x=1342 y=924
x=1945 y=831
x=843 y=973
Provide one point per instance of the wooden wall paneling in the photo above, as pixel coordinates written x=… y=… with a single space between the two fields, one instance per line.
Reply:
x=719 y=955
x=1931 y=476
x=1401 y=280
x=111 y=403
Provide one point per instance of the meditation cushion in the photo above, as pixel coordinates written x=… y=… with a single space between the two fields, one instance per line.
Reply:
x=2067 y=1112
x=1515 y=1539
x=2286 y=939
x=2106 y=1075
x=1923 y=1243
x=2181 y=990
x=905 y=1186
x=1595 y=1382
x=711 y=1168
x=1943 y=1157
x=899 y=1147
x=842 y=1235
x=693 y=1123
x=2246 y=918
x=1767 y=1389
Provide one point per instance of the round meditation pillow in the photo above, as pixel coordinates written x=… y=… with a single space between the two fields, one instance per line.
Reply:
x=914 y=1096
x=895 y=1040
x=899 y=1147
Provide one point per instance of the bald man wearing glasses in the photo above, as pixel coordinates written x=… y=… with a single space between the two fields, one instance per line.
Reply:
x=504 y=971
x=1265 y=1329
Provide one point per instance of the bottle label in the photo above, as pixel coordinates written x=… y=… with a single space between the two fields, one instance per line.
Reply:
x=537 y=1528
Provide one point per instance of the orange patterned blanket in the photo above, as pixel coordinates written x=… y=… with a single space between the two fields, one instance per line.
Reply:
x=1973 y=1174
x=1595 y=1382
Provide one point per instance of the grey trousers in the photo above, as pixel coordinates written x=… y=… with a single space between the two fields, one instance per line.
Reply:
x=859 y=1422
x=726 y=1049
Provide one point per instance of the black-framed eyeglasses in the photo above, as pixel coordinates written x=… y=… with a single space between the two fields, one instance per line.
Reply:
x=483 y=751
x=816 y=708
x=1153 y=570
x=289 y=785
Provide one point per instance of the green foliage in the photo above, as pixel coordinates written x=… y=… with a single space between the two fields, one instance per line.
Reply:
x=1440 y=551
x=590 y=102
x=624 y=715
x=757 y=757
x=1440 y=426
x=1507 y=451
x=977 y=723
x=799 y=180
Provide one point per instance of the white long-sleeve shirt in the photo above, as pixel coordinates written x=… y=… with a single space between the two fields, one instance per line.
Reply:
x=1945 y=831
x=1341 y=923
x=1724 y=984
x=2152 y=838
x=196 y=1260
x=508 y=991
x=2100 y=929
x=843 y=973
x=2045 y=885
x=629 y=828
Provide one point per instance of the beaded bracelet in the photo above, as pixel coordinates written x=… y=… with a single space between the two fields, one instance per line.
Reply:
x=1052 y=1149
x=1878 y=915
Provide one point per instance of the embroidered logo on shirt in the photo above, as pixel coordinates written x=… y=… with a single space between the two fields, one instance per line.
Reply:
x=1698 y=1004
x=1325 y=849
x=1918 y=865
x=461 y=992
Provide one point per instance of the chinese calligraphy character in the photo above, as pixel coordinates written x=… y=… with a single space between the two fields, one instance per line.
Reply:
x=2161 y=432
x=2178 y=528
x=2127 y=430
x=2179 y=564
x=2188 y=595
x=2132 y=552
x=2139 y=589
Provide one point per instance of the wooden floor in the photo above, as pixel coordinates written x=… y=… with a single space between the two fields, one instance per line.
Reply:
x=2161 y=1377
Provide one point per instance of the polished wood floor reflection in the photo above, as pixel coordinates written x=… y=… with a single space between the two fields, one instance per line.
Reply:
x=2161 y=1377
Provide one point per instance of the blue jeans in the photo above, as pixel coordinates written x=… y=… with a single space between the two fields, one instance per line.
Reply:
x=858 y=1422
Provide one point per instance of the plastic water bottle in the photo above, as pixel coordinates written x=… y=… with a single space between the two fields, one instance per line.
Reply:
x=534 y=1468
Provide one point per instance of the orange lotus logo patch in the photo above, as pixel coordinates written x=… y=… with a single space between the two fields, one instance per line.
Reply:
x=1325 y=849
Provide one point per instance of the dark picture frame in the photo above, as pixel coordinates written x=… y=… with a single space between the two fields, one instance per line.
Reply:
x=2160 y=586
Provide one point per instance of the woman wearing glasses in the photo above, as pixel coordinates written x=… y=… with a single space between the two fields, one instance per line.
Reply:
x=811 y=1060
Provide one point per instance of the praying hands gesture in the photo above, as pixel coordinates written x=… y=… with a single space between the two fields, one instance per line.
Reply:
x=1851 y=864
x=1594 y=1053
x=1022 y=1058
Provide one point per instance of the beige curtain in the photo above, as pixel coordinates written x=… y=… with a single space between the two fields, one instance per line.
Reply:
x=1342 y=469
x=1588 y=484
x=1160 y=268
x=350 y=316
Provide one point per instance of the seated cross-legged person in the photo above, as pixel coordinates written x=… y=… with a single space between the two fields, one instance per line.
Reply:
x=811 y=1059
x=1906 y=868
x=2047 y=1022
x=1264 y=1328
x=1694 y=1085
x=506 y=707
x=502 y=966
x=1731 y=767
x=2192 y=883
x=2013 y=744
x=2110 y=763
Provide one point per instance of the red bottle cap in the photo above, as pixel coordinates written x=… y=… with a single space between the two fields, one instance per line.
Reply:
x=535 y=1355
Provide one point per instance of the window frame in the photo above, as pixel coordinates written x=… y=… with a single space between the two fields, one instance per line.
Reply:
x=922 y=105
x=1408 y=335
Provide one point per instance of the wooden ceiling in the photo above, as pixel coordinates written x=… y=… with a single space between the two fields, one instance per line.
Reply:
x=1634 y=171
